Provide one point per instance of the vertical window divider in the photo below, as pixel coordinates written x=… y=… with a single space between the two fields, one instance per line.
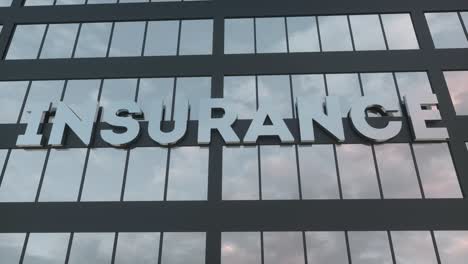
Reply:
x=144 y=41
x=348 y=247
x=25 y=99
x=114 y=247
x=304 y=243
x=377 y=173
x=179 y=38
x=262 y=249
x=110 y=39
x=287 y=34
x=25 y=245
x=124 y=181
x=44 y=168
x=255 y=35
x=436 y=247
x=5 y=163
x=76 y=39
x=392 y=250
x=463 y=24
x=85 y=167
x=296 y=148
x=387 y=47
x=69 y=246
x=318 y=33
x=161 y=240
x=351 y=32
x=259 y=163
x=42 y=41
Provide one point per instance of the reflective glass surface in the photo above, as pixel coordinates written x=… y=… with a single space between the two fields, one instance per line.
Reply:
x=334 y=33
x=193 y=89
x=154 y=90
x=446 y=30
x=11 y=99
x=367 y=32
x=59 y=41
x=275 y=90
x=240 y=247
x=188 y=174
x=96 y=33
x=11 y=246
x=369 y=247
x=80 y=95
x=357 y=172
x=457 y=82
x=346 y=87
x=381 y=85
x=146 y=174
x=279 y=173
x=239 y=36
x=326 y=247
x=240 y=92
x=452 y=246
x=127 y=39
x=5 y=3
x=271 y=35
x=413 y=83
x=137 y=248
x=50 y=248
x=93 y=248
x=283 y=247
x=26 y=42
x=42 y=92
x=240 y=173
x=437 y=171
x=177 y=248
x=162 y=38
x=114 y=90
x=22 y=175
x=413 y=247
x=303 y=34
x=104 y=175
x=196 y=37
x=399 y=31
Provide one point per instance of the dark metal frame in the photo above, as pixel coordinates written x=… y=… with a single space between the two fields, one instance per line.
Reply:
x=215 y=216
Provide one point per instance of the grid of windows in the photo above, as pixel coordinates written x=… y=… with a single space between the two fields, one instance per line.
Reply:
x=90 y=2
x=112 y=39
x=319 y=34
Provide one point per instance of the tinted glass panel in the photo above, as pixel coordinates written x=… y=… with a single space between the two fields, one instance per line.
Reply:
x=137 y=248
x=271 y=35
x=346 y=87
x=180 y=247
x=11 y=99
x=96 y=33
x=188 y=174
x=146 y=174
x=413 y=247
x=274 y=90
x=457 y=82
x=452 y=246
x=46 y=248
x=397 y=172
x=283 y=247
x=369 y=247
x=196 y=37
x=104 y=175
x=381 y=85
x=438 y=175
x=318 y=172
x=279 y=173
x=162 y=38
x=399 y=31
x=26 y=42
x=240 y=248
x=22 y=175
x=446 y=30
x=367 y=32
x=239 y=36
x=127 y=39
x=155 y=90
x=115 y=90
x=303 y=34
x=59 y=41
x=193 y=89
x=334 y=33
x=240 y=173
x=39 y=2
x=93 y=248
x=11 y=246
x=80 y=95
x=326 y=247
x=413 y=83
x=357 y=172
x=42 y=92
x=240 y=92
x=5 y=2
x=465 y=18
x=60 y=186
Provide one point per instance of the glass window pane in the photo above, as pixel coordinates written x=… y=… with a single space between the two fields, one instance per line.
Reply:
x=465 y=18
x=437 y=172
x=57 y=185
x=334 y=33
x=59 y=41
x=11 y=246
x=26 y=42
x=452 y=246
x=369 y=247
x=279 y=173
x=318 y=172
x=346 y=87
x=283 y=247
x=20 y=182
x=367 y=32
x=308 y=85
x=188 y=174
x=413 y=247
x=114 y=90
x=196 y=37
x=146 y=174
x=93 y=248
x=93 y=41
x=381 y=85
x=80 y=95
x=137 y=248
x=446 y=30
x=397 y=172
x=42 y=92
x=154 y=90
x=303 y=34
x=457 y=82
x=127 y=39
x=357 y=172
x=240 y=92
x=399 y=31
x=240 y=173
x=70 y=2
x=11 y=99
x=39 y=2
x=5 y=2
x=46 y=248
x=193 y=89
x=161 y=38
x=275 y=90
x=413 y=83
x=240 y=247
x=101 y=2
x=326 y=247
x=180 y=247
x=104 y=175
x=271 y=35
x=239 y=36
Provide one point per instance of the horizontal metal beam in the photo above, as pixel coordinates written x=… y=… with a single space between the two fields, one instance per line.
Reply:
x=235 y=216
x=297 y=63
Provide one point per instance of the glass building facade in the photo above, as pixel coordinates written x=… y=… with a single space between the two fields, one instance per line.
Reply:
x=353 y=202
